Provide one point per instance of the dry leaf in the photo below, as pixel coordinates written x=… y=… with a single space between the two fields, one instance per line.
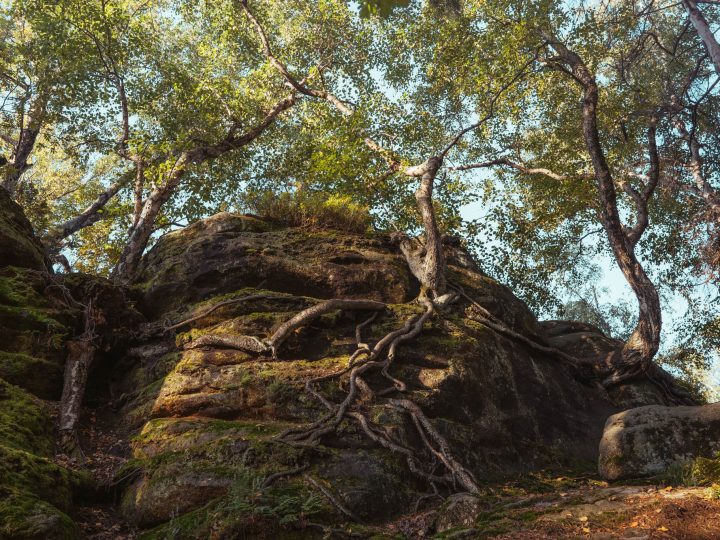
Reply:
x=663 y=529
x=584 y=518
x=586 y=530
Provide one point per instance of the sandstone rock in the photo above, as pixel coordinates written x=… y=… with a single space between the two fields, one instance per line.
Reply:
x=648 y=440
x=18 y=245
x=503 y=407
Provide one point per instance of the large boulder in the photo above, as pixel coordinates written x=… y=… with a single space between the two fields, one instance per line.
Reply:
x=649 y=440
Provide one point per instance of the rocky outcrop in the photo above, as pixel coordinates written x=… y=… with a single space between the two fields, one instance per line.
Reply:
x=204 y=422
x=209 y=417
x=37 y=318
x=650 y=440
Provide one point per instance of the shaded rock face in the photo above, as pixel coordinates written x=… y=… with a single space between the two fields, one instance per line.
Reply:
x=18 y=245
x=208 y=419
x=649 y=440
x=37 y=494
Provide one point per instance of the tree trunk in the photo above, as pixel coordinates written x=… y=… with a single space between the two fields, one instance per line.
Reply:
x=702 y=27
x=434 y=257
x=638 y=352
x=141 y=232
x=18 y=163
x=426 y=262
x=80 y=356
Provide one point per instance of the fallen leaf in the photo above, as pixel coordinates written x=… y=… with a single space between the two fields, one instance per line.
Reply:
x=663 y=529
x=583 y=518
x=634 y=524
x=586 y=530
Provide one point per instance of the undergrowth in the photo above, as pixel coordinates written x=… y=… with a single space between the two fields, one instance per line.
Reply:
x=310 y=210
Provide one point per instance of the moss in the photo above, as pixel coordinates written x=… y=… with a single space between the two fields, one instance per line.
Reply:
x=701 y=471
x=706 y=471
x=26 y=517
x=23 y=421
x=24 y=471
x=33 y=490
x=247 y=511
x=37 y=375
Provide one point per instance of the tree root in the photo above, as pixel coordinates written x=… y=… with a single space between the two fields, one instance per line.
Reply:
x=273 y=344
x=621 y=373
x=217 y=306
x=492 y=322
x=618 y=375
x=282 y=474
x=333 y=500
x=425 y=429
x=363 y=360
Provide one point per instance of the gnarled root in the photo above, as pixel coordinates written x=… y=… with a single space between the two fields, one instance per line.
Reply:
x=273 y=344
x=625 y=369
x=363 y=360
x=430 y=435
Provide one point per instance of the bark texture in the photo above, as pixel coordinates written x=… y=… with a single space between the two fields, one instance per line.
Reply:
x=636 y=355
x=80 y=356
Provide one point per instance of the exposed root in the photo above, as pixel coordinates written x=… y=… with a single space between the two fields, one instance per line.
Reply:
x=282 y=474
x=363 y=360
x=273 y=344
x=425 y=427
x=411 y=328
x=310 y=314
x=230 y=341
x=489 y=320
x=217 y=306
x=628 y=371
x=333 y=500
x=429 y=496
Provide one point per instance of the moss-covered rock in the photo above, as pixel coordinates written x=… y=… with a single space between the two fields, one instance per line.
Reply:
x=208 y=417
x=35 y=493
x=18 y=245
x=650 y=440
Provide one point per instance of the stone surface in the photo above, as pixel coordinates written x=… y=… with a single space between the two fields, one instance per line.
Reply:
x=18 y=245
x=649 y=440
x=209 y=414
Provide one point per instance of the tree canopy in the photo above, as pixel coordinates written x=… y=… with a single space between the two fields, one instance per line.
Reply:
x=581 y=130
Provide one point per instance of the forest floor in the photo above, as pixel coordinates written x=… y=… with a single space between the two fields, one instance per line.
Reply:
x=536 y=506
x=105 y=452
x=545 y=507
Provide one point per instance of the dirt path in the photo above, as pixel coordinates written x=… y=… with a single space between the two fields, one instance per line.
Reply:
x=106 y=451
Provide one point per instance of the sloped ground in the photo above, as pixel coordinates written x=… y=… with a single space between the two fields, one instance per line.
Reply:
x=541 y=506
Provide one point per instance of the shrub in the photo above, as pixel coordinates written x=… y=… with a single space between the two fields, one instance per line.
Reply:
x=310 y=210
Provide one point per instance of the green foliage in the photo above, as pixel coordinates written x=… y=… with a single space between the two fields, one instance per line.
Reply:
x=309 y=209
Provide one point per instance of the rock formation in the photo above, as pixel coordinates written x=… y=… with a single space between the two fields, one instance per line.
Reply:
x=650 y=440
x=204 y=419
